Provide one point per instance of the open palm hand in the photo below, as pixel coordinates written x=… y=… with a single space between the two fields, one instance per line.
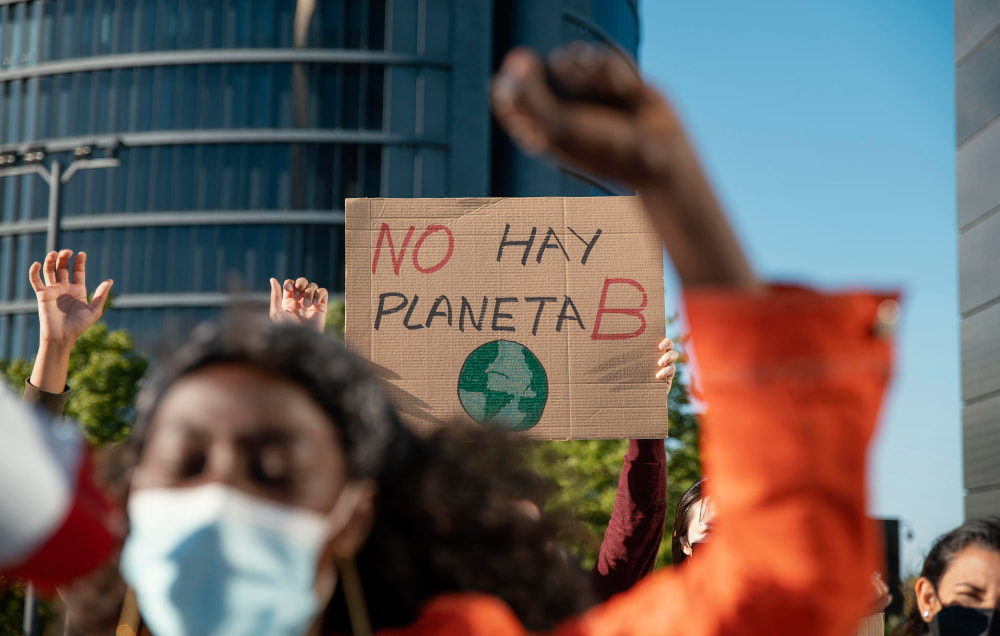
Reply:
x=64 y=312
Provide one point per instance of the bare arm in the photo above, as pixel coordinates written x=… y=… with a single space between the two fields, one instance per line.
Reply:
x=64 y=314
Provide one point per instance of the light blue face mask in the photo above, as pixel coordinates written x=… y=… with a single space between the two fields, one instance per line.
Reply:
x=214 y=560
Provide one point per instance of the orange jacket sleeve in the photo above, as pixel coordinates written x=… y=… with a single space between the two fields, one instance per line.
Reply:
x=793 y=380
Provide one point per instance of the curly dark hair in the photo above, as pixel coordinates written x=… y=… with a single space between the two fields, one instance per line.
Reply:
x=450 y=513
x=983 y=533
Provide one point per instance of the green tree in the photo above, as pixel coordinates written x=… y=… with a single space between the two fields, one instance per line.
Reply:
x=104 y=373
x=586 y=472
x=12 y=610
x=335 y=319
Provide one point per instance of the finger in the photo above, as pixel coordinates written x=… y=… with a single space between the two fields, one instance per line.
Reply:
x=523 y=102
x=666 y=373
x=80 y=269
x=34 y=275
x=669 y=357
x=886 y=602
x=310 y=294
x=62 y=266
x=582 y=71
x=596 y=137
x=300 y=287
x=275 y=298
x=666 y=344
x=49 y=268
x=322 y=297
x=100 y=297
x=289 y=288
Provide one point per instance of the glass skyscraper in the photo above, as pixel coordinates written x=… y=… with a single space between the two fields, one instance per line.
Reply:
x=977 y=112
x=242 y=125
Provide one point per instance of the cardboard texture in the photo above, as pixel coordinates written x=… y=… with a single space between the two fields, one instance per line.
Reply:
x=537 y=315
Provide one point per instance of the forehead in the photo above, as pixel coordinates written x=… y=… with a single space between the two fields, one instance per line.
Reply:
x=703 y=511
x=974 y=565
x=231 y=399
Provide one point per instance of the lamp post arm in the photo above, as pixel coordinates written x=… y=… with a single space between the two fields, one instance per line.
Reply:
x=33 y=168
x=88 y=164
x=55 y=189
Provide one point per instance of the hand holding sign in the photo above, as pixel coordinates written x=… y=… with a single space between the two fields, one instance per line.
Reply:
x=533 y=315
x=299 y=302
x=667 y=369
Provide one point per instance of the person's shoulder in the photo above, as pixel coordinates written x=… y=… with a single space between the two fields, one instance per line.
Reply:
x=463 y=615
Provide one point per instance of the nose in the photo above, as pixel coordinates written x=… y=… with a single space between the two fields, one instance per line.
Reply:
x=222 y=463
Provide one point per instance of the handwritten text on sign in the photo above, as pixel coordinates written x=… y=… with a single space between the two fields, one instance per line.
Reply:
x=529 y=314
x=443 y=308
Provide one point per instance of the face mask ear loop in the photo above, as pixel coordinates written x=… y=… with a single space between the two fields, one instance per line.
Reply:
x=129 y=623
x=357 y=609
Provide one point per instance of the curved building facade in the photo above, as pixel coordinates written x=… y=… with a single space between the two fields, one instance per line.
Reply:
x=238 y=128
x=544 y=25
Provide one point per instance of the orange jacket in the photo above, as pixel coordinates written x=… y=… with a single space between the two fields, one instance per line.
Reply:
x=793 y=380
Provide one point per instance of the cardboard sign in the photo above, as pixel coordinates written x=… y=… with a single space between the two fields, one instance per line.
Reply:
x=536 y=315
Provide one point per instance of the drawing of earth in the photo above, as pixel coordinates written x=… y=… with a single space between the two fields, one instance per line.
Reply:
x=503 y=385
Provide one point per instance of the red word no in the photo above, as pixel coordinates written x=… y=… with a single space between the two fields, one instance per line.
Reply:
x=627 y=311
x=386 y=235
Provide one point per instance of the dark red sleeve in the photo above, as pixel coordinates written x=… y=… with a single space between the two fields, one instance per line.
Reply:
x=635 y=530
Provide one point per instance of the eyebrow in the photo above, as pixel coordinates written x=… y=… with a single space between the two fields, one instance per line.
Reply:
x=268 y=434
x=183 y=427
x=973 y=587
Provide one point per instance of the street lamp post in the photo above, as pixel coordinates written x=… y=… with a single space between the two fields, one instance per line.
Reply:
x=56 y=179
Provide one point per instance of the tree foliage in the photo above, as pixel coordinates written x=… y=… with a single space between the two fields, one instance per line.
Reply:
x=104 y=373
x=336 y=319
x=12 y=610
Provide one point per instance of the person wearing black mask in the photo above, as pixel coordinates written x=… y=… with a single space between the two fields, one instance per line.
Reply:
x=958 y=592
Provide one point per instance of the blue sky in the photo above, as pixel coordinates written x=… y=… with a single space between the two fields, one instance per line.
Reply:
x=828 y=129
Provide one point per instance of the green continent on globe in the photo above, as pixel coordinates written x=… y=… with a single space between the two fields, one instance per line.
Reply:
x=503 y=385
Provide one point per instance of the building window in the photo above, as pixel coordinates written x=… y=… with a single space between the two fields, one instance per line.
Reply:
x=205 y=259
x=620 y=20
x=189 y=97
x=83 y=28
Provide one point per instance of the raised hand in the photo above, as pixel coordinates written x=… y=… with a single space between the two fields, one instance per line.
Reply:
x=299 y=302
x=64 y=312
x=667 y=369
x=589 y=109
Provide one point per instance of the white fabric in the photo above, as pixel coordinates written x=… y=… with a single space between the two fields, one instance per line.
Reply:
x=203 y=504
x=39 y=459
x=214 y=560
